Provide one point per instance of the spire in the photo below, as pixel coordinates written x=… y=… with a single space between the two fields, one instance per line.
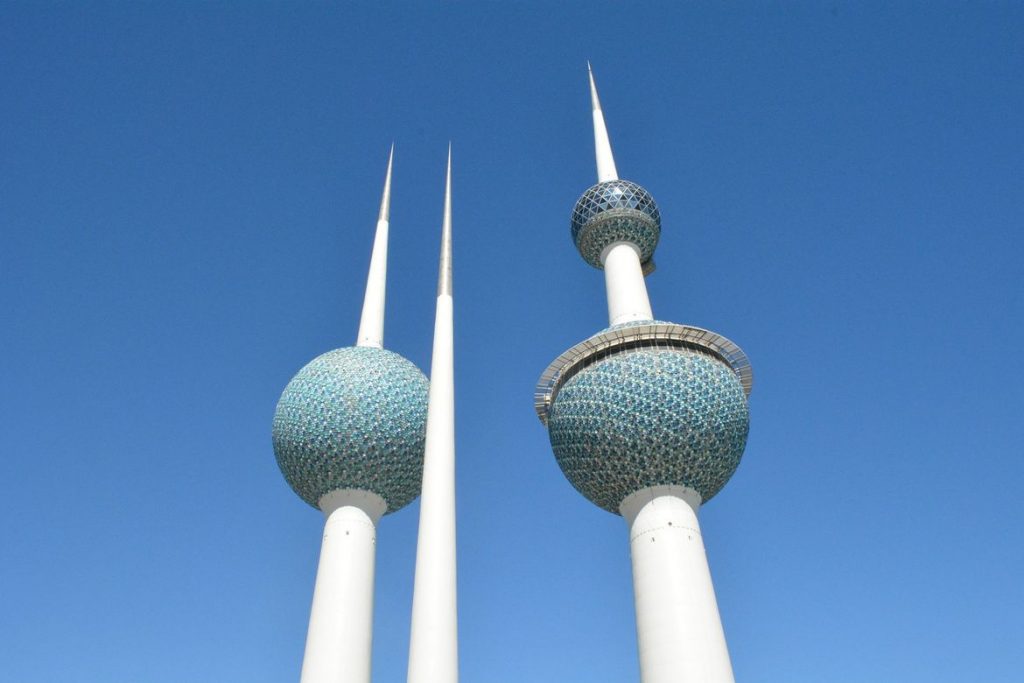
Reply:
x=444 y=275
x=602 y=146
x=385 y=200
x=371 y=323
x=433 y=641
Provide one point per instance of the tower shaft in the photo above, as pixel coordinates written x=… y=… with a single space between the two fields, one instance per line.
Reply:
x=624 y=282
x=340 y=636
x=679 y=630
x=371 y=321
x=433 y=644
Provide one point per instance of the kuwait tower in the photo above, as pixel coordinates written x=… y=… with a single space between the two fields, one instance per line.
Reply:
x=648 y=420
x=349 y=436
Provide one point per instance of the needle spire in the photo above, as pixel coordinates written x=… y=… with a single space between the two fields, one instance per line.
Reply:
x=371 y=323
x=385 y=200
x=444 y=276
x=602 y=146
x=433 y=642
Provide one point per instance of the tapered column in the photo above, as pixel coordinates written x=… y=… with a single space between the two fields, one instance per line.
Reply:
x=338 y=644
x=433 y=643
x=371 y=322
x=624 y=282
x=602 y=145
x=433 y=648
x=679 y=630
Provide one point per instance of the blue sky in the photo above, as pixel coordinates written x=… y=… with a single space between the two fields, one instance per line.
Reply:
x=187 y=199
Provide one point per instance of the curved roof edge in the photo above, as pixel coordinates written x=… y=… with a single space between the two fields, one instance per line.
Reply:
x=631 y=336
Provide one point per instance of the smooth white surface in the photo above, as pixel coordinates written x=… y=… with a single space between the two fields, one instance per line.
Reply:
x=340 y=636
x=371 y=322
x=624 y=282
x=444 y=270
x=679 y=631
x=602 y=146
x=433 y=644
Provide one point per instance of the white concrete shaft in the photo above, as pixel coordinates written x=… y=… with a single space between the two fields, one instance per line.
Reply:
x=371 y=322
x=433 y=645
x=624 y=281
x=679 y=630
x=339 y=639
x=603 y=150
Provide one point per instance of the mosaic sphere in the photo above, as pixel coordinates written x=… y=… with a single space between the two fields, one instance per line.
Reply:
x=353 y=418
x=615 y=211
x=649 y=416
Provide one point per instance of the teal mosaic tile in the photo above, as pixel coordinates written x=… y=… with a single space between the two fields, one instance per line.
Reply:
x=353 y=418
x=615 y=211
x=649 y=416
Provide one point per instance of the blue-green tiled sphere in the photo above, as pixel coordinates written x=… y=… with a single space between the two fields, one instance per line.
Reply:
x=649 y=416
x=615 y=211
x=353 y=418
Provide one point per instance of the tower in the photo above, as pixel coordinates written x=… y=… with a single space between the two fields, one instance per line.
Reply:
x=349 y=435
x=648 y=419
x=433 y=643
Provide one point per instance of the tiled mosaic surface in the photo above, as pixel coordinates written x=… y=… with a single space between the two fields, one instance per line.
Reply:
x=646 y=417
x=614 y=211
x=353 y=418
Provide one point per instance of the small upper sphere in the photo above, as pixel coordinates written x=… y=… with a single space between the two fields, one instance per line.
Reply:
x=615 y=211
x=353 y=418
x=647 y=417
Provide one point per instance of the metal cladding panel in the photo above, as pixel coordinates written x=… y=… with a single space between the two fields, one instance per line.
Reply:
x=646 y=417
x=353 y=418
x=637 y=334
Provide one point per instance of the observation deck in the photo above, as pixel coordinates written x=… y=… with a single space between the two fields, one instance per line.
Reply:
x=636 y=335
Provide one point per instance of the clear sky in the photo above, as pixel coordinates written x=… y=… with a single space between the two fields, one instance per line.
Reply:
x=187 y=199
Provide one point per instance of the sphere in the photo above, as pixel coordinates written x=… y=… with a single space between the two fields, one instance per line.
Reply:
x=649 y=416
x=353 y=418
x=615 y=211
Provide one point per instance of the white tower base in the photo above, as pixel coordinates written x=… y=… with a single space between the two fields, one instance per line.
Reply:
x=340 y=636
x=624 y=281
x=679 y=631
